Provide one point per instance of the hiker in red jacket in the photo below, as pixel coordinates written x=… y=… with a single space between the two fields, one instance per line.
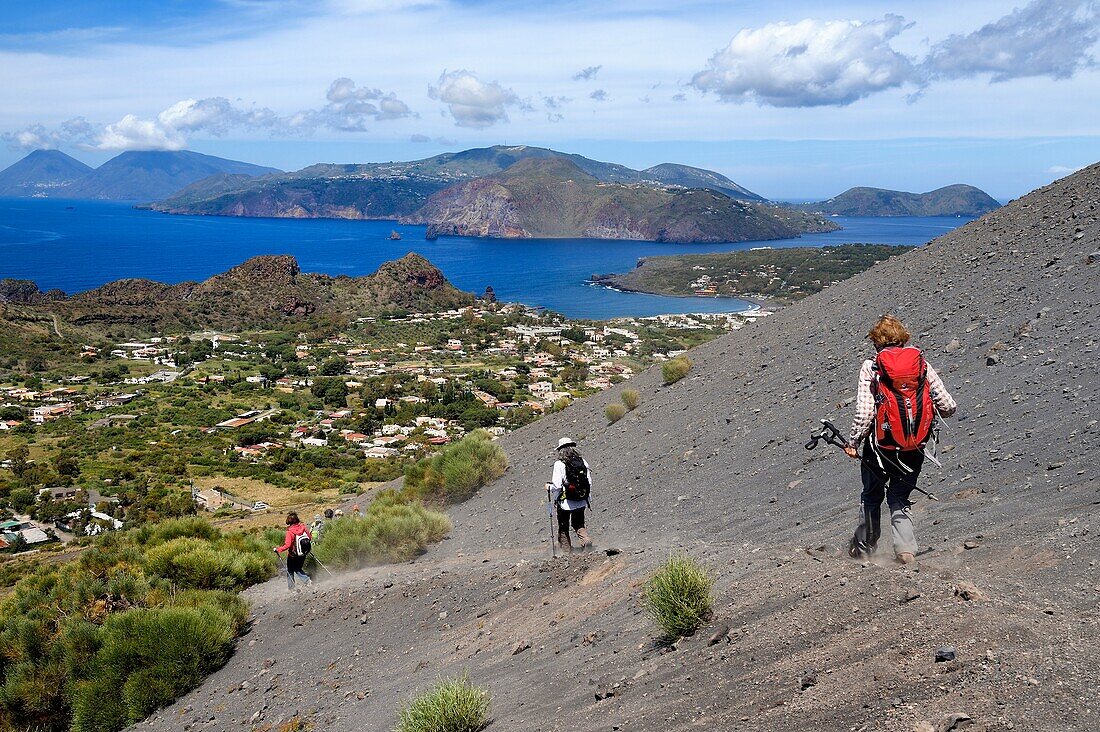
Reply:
x=899 y=397
x=297 y=546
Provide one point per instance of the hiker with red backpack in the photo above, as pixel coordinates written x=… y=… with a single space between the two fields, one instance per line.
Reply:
x=900 y=396
x=297 y=545
x=569 y=489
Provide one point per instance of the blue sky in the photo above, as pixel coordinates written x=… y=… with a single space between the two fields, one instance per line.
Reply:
x=791 y=99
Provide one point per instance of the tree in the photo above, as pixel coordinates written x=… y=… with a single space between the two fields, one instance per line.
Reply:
x=18 y=456
x=333 y=367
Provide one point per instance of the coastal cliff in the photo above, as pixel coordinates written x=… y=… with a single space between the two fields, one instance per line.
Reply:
x=552 y=197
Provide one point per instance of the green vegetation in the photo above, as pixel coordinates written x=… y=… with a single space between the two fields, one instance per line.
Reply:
x=395 y=528
x=630 y=398
x=679 y=596
x=139 y=619
x=675 y=369
x=453 y=705
x=614 y=412
x=455 y=474
x=785 y=275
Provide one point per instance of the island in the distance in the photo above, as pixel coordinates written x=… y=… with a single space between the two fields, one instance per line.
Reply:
x=954 y=200
x=539 y=198
x=510 y=192
x=764 y=275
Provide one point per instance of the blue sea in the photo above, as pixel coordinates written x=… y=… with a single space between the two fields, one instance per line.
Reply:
x=78 y=245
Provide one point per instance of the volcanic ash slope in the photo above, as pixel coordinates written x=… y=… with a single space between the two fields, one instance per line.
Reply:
x=1005 y=308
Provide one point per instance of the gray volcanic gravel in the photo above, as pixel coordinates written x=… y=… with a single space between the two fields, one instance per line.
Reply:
x=803 y=637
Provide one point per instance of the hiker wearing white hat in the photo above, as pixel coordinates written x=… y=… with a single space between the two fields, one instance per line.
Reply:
x=570 y=488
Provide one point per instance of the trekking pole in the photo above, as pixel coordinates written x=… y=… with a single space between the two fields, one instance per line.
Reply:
x=322 y=565
x=550 y=513
x=830 y=434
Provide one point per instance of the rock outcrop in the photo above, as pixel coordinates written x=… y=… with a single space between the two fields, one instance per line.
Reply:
x=955 y=200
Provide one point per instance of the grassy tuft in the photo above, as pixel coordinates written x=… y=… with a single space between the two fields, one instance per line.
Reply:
x=455 y=474
x=395 y=528
x=453 y=705
x=679 y=596
x=675 y=369
x=630 y=398
x=614 y=412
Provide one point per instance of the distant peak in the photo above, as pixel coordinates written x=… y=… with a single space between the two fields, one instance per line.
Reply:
x=273 y=268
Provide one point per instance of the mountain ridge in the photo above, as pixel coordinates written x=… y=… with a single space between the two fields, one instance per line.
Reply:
x=264 y=291
x=40 y=172
x=396 y=189
x=134 y=175
x=553 y=197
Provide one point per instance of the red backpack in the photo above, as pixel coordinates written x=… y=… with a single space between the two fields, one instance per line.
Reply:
x=904 y=411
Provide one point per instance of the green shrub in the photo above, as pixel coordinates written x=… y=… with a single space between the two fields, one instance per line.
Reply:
x=630 y=398
x=679 y=596
x=455 y=474
x=394 y=529
x=675 y=369
x=453 y=705
x=614 y=412
x=97 y=644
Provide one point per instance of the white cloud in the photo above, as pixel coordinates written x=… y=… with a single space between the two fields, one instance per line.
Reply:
x=349 y=109
x=588 y=73
x=1062 y=169
x=1044 y=38
x=36 y=136
x=807 y=64
x=132 y=133
x=599 y=95
x=472 y=102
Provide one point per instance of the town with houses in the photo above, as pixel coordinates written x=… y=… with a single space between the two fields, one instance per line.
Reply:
x=385 y=392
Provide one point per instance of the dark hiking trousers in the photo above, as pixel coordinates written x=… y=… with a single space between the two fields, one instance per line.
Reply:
x=566 y=519
x=294 y=565
x=894 y=484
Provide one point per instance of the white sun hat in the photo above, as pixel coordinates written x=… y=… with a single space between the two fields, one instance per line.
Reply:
x=566 y=442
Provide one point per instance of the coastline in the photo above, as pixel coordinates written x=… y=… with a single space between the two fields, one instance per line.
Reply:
x=757 y=304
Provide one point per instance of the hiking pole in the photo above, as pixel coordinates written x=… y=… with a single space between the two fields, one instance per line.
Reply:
x=550 y=513
x=322 y=566
x=830 y=434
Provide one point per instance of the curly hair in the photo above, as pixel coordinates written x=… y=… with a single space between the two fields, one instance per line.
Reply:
x=888 y=331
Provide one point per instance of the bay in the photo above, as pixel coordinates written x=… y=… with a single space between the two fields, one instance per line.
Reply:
x=79 y=245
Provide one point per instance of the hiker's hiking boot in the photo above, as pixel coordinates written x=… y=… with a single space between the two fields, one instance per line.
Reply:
x=582 y=534
x=564 y=542
x=906 y=557
x=858 y=549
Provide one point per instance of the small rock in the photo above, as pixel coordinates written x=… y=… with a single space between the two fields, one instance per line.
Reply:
x=992 y=359
x=718 y=635
x=612 y=551
x=604 y=693
x=1054 y=466
x=808 y=679
x=908 y=597
x=954 y=721
x=520 y=647
x=967 y=591
x=923 y=726
x=970 y=544
x=945 y=653
x=952 y=346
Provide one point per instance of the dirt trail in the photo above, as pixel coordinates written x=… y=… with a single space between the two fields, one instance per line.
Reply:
x=1005 y=308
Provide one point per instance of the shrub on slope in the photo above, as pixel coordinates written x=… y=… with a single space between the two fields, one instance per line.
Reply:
x=675 y=369
x=99 y=643
x=455 y=474
x=395 y=528
x=454 y=705
x=679 y=596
